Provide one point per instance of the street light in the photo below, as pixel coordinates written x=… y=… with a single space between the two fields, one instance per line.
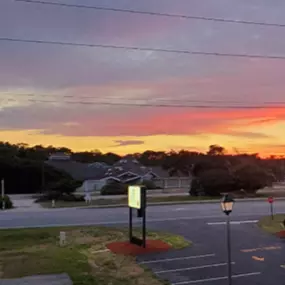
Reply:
x=227 y=204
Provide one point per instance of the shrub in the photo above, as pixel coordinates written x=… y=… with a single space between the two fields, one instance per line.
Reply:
x=213 y=182
x=8 y=202
x=196 y=188
x=114 y=189
x=64 y=186
x=251 y=177
x=54 y=195
x=72 y=198
x=149 y=185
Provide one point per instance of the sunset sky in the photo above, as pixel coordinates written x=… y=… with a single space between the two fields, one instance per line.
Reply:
x=64 y=74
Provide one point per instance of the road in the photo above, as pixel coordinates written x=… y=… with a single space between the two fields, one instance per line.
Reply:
x=258 y=258
x=108 y=216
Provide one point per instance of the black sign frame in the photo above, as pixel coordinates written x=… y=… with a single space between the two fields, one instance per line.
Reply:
x=141 y=213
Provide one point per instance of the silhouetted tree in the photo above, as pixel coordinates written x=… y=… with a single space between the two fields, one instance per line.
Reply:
x=216 y=150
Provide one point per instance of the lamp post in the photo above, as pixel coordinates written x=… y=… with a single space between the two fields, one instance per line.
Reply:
x=227 y=204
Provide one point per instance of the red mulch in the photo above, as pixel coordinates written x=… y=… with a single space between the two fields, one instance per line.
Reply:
x=281 y=234
x=126 y=248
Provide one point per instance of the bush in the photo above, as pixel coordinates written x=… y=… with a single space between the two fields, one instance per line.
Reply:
x=72 y=198
x=115 y=189
x=196 y=188
x=64 y=186
x=54 y=195
x=213 y=182
x=252 y=177
x=150 y=185
x=8 y=202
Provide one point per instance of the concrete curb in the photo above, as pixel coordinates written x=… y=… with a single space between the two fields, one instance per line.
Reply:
x=180 y=203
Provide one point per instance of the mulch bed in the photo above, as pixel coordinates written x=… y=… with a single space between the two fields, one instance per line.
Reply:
x=281 y=234
x=126 y=248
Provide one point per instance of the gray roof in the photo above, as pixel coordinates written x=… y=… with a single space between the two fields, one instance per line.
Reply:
x=95 y=171
x=78 y=170
x=127 y=164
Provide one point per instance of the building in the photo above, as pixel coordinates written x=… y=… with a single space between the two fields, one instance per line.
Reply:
x=96 y=175
x=127 y=170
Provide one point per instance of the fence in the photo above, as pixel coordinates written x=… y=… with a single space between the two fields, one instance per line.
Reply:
x=173 y=182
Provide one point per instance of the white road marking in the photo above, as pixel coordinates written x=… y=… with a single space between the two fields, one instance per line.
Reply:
x=116 y=222
x=193 y=268
x=261 y=248
x=233 y=222
x=177 y=258
x=104 y=223
x=217 y=278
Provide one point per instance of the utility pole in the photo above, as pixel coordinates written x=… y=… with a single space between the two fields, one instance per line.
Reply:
x=3 y=194
x=43 y=177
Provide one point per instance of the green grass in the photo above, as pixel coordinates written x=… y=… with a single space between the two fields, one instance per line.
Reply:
x=272 y=226
x=27 y=252
x=124 y=201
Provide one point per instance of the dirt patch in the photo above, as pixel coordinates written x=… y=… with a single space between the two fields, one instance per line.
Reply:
x=127 y=248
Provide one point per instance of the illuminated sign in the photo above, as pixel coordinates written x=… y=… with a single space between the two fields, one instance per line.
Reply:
x=134 y=197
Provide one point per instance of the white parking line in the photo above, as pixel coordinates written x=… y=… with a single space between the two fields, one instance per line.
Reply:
x=193 y=268
x=233 y=222
x=217 y=278
x=177 y=258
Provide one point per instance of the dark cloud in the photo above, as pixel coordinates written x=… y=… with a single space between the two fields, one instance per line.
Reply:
x=128 y=142
x=249 y=135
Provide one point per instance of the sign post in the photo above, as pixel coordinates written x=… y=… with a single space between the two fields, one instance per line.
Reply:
x=270 y=201
x=3 y=194
x=137 y=200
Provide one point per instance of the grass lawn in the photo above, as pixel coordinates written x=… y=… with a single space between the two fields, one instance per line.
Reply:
x=27 y=252
x=272 y=226
x=124 y=201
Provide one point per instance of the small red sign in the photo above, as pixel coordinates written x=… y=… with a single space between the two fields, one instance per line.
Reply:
x=270 y=200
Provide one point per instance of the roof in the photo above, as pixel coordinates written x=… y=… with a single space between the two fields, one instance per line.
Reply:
x=78 y=170
x=98 y=165
x=127 y=164
x=98 y=170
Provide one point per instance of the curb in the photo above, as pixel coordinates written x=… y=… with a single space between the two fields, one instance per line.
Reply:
x=180 y=203
x=214 y=201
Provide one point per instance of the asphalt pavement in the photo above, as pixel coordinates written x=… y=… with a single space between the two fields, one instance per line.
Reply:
x=258 y=258
x=118 y=216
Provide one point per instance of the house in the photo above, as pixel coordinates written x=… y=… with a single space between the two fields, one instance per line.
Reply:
x=77 y=170
x=127 y=170
x=59 y=156
x=96 y=175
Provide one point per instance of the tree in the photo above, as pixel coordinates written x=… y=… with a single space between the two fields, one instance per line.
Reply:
x=252 y=177
x=24 y=176
x=216 y=150
x=213 y=182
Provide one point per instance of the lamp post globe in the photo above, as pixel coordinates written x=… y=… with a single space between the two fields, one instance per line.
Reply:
x=227 y=204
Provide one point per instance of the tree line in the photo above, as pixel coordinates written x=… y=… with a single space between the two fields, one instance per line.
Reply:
x=213 y=172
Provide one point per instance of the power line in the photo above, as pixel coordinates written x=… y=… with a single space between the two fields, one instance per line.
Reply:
x=149 y=101
x=126 y=104
x=134 y=48
x=213 y=19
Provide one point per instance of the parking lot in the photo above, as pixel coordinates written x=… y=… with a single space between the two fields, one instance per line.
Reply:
x=257 y=258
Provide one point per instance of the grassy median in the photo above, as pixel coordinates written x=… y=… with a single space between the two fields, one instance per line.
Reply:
x=25 y=252
x=123 y=201
x=274 y=225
